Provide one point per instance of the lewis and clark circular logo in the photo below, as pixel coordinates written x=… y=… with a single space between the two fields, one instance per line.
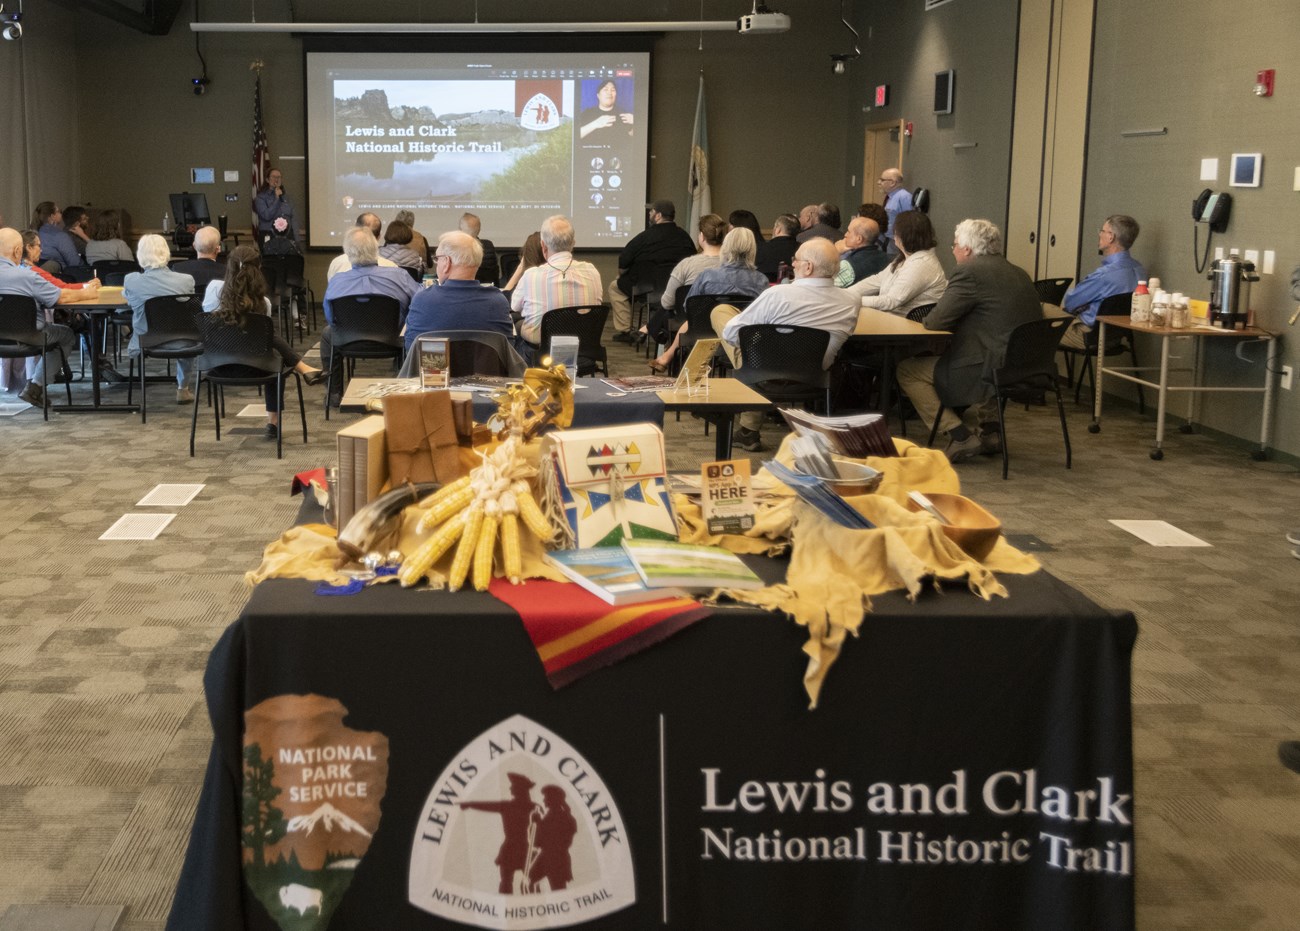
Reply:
x=519 y=831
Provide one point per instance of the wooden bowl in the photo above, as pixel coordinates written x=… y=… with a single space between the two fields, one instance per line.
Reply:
x=856 y=478
x=971 y=527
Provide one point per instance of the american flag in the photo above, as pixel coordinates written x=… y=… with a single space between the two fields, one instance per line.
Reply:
x=261 y=150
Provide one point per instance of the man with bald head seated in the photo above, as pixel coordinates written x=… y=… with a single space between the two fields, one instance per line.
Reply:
x=811 y=300
x=341 y=263
x=862 y=248
x=14 y=279
x=206 y=268
x=459 y=301
x=826 y=224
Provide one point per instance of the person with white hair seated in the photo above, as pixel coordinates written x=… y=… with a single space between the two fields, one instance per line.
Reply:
x=156 y=280
x=458 y=301
x=206 y=268
x=364 y=276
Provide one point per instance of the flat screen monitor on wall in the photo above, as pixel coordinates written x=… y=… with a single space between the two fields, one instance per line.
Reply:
x=513 y=137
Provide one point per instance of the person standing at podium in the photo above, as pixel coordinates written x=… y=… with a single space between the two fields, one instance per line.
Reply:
x=273 y=203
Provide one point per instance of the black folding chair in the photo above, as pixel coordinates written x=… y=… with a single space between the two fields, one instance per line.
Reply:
x=1052 y=290
x=698 y=310
x=243 y=356
x=473 y=352
x=784 y=363
x=365 y=326
x=1118 y=341
x=19 y=338
x=1027 y=372
x=171 y=332
x=587 y=322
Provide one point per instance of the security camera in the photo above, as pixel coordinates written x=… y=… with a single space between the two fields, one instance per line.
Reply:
x=839 y=63
x=13 y=25
x=200 y=86
x=838 y=67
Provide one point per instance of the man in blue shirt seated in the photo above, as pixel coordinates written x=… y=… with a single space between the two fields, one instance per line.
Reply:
x=366 y=276
x=1119 y=273
x=459 y=301
x=58 y=249
x=14 y=279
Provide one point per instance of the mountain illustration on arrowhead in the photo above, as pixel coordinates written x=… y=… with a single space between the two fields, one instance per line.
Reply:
x=329 y=818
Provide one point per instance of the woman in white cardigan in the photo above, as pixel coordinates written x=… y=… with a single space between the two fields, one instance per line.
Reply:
x=913 y=279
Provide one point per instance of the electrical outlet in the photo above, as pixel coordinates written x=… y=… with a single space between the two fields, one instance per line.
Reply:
x=1286 y=378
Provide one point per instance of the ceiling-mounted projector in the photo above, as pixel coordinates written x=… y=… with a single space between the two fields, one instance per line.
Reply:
x=763 y=20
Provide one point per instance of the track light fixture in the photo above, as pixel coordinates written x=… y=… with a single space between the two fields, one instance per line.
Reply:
x=11 y=24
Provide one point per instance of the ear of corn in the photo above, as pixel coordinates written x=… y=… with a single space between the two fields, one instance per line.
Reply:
x=465 y=549
x=533 y=517
x=414 y=568
x=446 y=491
x=487 y=539
x=513 y=559
x=454 y=502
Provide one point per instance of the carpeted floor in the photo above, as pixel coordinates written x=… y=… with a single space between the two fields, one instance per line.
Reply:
x=104 y=736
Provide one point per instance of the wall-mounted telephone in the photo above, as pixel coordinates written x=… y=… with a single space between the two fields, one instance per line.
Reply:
x=1213 y=209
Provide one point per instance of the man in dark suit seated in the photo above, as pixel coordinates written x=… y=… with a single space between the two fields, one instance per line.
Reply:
x=662 y=243
x=780 y=249
x=204 y=269
x=490 y=268
x=987 y=298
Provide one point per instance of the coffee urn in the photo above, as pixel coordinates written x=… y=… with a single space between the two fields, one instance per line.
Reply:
x=1230 y=291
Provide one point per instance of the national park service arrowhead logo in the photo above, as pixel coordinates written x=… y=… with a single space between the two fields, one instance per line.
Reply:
x=311 y=793
x=519 y=831
x=540 y=112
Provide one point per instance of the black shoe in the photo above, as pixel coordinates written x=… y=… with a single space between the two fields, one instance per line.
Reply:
x=335 y=400
x=272 y=431
x=33 y=394
x=624 y=336
x=991 y=442
x=1288 y=751
x=750 y=440
x=317 y=377
x=106 y=372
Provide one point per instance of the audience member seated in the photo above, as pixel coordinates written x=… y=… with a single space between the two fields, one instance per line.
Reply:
x=811 y=300
x=368 y=221
x=1118 y=273
x=32 y=255
x=530 y=256
x=156 y=280
x=987 y=297
x=364 y=275
x=662 y=243
x=780 y=249
x=862 y=251
x=560 y=281
x=14 y=279
x=397 y=247
x=206 y=268
x=827 y=224
x=241 y=294
x=735 y=274
x=418 y=244
x=746 y=219
x=106 y=243
x=914 y=278
x=490 y=270
x=459 y=301
x=58 y=251
x=76 y=223
x=709 y=242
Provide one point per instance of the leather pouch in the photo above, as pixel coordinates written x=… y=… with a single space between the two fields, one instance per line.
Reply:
x=421 y=437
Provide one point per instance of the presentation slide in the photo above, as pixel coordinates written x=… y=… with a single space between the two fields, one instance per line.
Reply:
x=512 y=137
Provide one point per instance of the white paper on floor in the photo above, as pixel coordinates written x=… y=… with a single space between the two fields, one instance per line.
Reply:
x=170 y=496
x=253 y=410
x=9 y=408
x=1159 y=533
x=138 y=527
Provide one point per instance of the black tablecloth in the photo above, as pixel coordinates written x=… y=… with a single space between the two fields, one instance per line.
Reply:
x=998 y=701
x=595 y=404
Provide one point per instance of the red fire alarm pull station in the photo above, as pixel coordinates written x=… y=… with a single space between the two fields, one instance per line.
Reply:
x=1264 y=83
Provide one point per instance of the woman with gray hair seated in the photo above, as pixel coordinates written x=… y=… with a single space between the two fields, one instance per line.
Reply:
x=418 y=244
x=735 y=274
x=156 y=280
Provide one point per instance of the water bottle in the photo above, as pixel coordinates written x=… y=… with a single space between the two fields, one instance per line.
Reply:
x=167 y=222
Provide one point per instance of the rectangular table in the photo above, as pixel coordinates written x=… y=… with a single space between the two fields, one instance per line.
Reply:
x=109 y=301
x=724 y=399
x=595 y=404
x=886 y=333
x=1163 y=388
x=969 y=766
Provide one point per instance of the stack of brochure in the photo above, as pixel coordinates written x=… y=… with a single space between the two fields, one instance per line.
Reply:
x=857 y=437
x=635 y=383
x=818 y=493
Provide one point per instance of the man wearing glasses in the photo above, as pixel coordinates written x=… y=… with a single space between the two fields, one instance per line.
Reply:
x=1118 y=273
x=459 y=302
x=897 y=200
x=811 y=300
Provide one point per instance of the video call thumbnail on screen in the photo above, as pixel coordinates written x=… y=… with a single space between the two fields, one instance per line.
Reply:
x=512 y=137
